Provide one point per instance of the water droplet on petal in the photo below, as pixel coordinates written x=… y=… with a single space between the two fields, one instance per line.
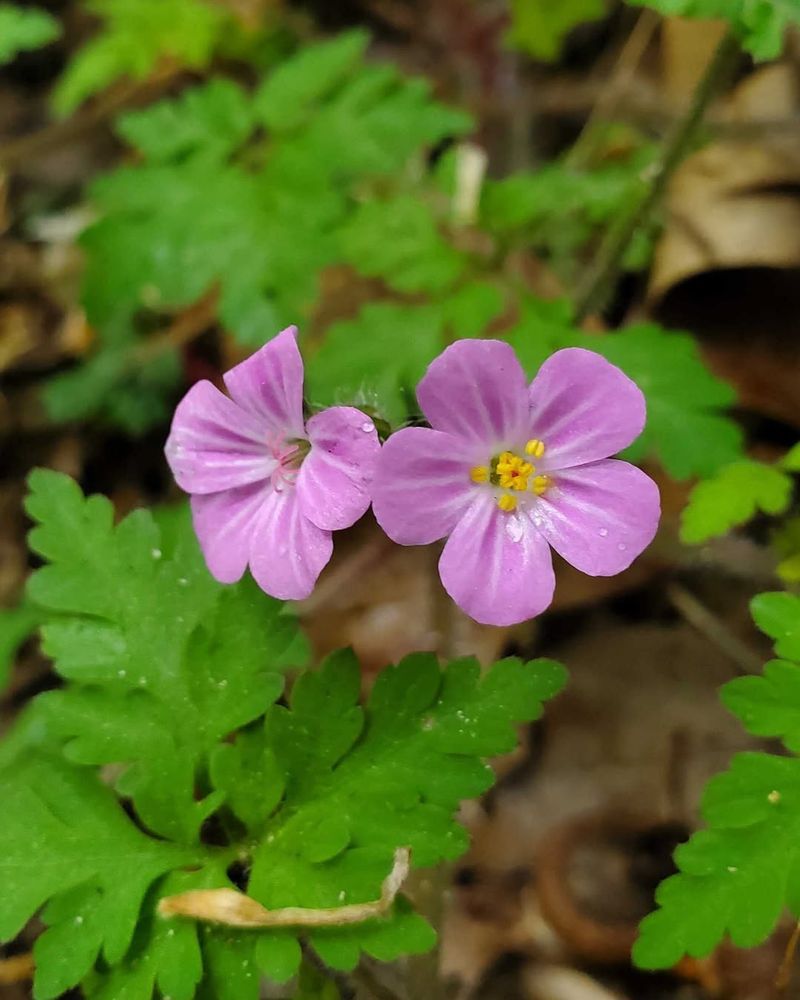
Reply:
x=367 y=426
x=514 y=529
x=622 y=546
x=279 y=487
x=603 y=532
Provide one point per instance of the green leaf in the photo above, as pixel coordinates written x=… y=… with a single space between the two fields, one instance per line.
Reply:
x=294 y=90
x=732 y=497
x=469 y=311
x=22 y=29
x=544 y=326
x=16 y=625
x=212 y=121
x=398 y=240
x=539 y=27
x=779 y=616
x=372 y=360
x=312 y=985
x=760 y=24
x=737 y=876
x=137 y=35
x=685 y=427
x=166 y=661
x=791 y=460
x=359 y=783
x=65 y=838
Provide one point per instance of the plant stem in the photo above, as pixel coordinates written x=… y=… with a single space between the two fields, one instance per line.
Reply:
x=594 y=292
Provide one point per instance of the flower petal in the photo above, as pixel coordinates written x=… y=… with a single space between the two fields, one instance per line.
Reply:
x=269 y=384
x=422 y=485
x=287 y=551
x=496 y=566
x=476 y=389
x=214 y=445
x=600 y=517
x=583 y=408
x=224 y=524
x=334 y=480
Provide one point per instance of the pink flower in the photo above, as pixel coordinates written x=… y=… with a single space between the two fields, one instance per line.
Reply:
x=509 y=470
x=268 y=488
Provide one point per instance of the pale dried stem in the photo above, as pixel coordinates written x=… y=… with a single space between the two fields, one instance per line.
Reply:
x=235 y=909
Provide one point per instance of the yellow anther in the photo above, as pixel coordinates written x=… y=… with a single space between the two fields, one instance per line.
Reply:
x=540 y=484
x=480 y=474
x=535 y=447
x=507 y=503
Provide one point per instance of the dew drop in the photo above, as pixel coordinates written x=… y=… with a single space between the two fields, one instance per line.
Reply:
x=122 y=673
x=279 y=487
x=171 y=932
x=342 y=896
x=183 y=582
x=142 y=682
x=367 y=426
x=222 y=684
x=514 y=529
x=155 y=553
x=603 y=532
x=79 y=920
x=732 y=869
x=622 y=546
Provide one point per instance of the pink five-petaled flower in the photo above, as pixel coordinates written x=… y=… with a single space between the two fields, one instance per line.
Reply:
x=267 y=487
x=509 y=470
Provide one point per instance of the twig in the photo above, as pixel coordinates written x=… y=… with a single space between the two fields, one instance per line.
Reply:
x=26 y=147
x=706 y=622
x=16 y=969
x=621 y=79
x=594 y=292
x=784 y=976
x=235 y=909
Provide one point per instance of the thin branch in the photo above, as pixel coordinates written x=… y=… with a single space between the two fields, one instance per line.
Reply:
x=17 y=969
x=595 y=290
x=784 y=976
x=706 y=622
x=235 y=909
x=26 y=147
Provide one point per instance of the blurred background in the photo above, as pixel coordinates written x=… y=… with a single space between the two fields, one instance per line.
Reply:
x=180 y=179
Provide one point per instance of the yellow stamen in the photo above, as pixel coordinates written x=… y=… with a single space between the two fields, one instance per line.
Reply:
x=480 y=474
x=535 y=447
x=540 y=484
x=507 y=503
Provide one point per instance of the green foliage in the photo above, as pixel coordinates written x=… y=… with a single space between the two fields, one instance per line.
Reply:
x=357 y=783
x=152 y=643
x=171 y=680
x=398 y=240
x=563 y=207
x=732 y=497
x=737 y=876
x=685 y=426
x=213 y=204
x=760 y=24
x=376 y=359
x=22 y=29
x=16 y=625
x=539 y=27
x=137 y=36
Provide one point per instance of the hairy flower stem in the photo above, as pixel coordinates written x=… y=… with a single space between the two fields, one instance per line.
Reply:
x=596 y=288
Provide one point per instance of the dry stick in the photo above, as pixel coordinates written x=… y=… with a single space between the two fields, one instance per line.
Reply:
x=595 y=290
x=784 y=976
x=16 y=969
x=26 y=147
x=235 y=909
x=621 y=79
x=706 y=622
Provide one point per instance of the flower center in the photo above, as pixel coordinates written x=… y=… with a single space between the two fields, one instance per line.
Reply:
x=288 y=454
x=513 y=475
